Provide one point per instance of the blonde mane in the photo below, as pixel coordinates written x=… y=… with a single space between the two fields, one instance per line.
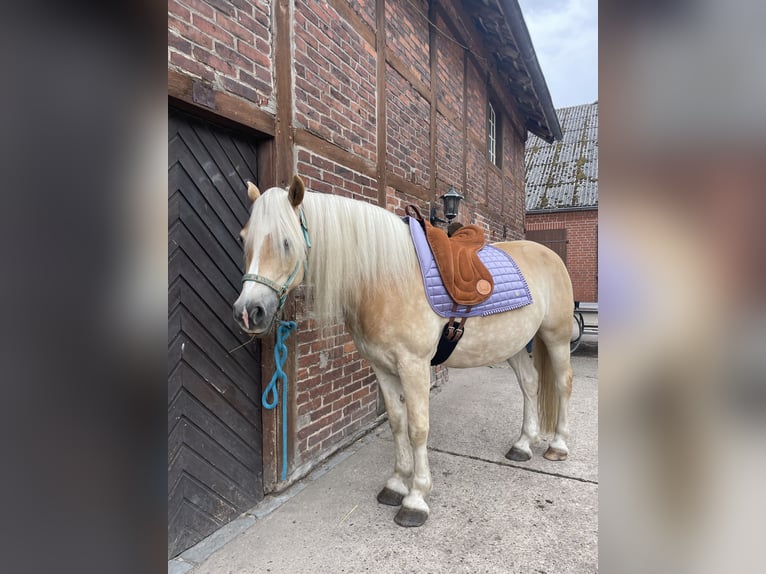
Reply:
x=355 y=246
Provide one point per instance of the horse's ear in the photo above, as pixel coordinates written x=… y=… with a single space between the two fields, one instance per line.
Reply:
x=295 y=193
x=252 y=191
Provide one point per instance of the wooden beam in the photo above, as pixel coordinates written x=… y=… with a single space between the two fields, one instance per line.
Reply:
x=432 y=53
x=406 y=73
x=465 y=120
x=283 y=83
x=380 y=47
x=269 y=422
x=449 y=115
x=280 y=171
x=398 y=182
x=206 y=101
x=345 y=11
x=454 y=20
x=291 y=366
x=331 y=151
x=266 y=177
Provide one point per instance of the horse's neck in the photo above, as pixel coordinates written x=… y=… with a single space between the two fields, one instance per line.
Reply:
x=355 y=248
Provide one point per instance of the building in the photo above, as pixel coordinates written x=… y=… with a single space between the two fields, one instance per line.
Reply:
x=562 y=196
x=387 y=102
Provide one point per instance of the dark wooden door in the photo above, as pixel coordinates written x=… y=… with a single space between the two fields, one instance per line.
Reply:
x=215 y=467
x=554 y=239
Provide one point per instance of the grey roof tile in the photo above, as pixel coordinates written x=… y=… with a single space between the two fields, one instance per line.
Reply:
x=564 y=174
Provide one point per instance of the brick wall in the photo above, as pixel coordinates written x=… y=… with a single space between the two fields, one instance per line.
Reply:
x=365 y=9
x=334 y=79
x=407 y=36
x=326 y=176
x=449 y=155
x=230 y=47
x=337 y=393
x=582 y=247
x=408 y=125
x=450 y=77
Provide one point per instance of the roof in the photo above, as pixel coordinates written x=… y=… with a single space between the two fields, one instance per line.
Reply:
x=564 y=175
x=505 y=34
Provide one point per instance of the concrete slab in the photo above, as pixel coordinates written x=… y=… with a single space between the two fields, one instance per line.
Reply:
x=487 y=513
x=218 y=539
x=479 y=413
x=178 y=566
x=485 y=518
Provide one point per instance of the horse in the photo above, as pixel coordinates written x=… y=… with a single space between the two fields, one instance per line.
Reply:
x=360 y=260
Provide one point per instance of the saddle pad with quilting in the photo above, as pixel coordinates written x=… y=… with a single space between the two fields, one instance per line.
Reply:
x=510 y=292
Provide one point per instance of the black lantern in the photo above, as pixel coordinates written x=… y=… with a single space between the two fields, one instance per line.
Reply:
x=451 y=201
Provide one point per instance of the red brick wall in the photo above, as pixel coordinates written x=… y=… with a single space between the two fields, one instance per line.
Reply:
x=365 y=9
x=449 y=156
x=408 y=143
x=230 y=47
x=450 y=77
x=334 y=79
x=337 y=393
x=227 y=44
x=582 y=247
x=326 y=176
x=407 y=36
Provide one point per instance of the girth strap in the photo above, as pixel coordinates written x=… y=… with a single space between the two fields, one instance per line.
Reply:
x=451 y=335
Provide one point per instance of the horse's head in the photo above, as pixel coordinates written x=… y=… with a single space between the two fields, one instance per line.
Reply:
x=276 y=245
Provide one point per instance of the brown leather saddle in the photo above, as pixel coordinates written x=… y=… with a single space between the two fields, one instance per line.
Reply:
x=465 y=277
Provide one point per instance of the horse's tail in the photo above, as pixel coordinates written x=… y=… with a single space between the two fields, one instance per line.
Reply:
x=547 y=396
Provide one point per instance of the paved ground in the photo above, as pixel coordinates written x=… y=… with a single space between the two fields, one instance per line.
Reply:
x=487 y=513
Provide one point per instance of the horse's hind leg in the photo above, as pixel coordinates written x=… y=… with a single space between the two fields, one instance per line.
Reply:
x=559 y=357
x=522 y=365
x=397 y=486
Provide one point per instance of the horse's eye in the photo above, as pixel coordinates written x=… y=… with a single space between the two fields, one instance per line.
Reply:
x=286 y=245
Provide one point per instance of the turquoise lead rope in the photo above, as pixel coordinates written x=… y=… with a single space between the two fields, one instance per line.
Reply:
x=270 y=397
x=270 y=402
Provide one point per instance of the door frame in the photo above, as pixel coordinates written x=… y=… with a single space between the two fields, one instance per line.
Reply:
x=235 y=113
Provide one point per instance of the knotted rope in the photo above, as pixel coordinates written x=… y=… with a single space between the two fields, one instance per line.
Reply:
x=270 y=402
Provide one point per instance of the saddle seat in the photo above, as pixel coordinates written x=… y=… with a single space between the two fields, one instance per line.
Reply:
x=465 y=277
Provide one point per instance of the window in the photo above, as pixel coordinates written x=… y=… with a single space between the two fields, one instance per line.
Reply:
x=494 y=136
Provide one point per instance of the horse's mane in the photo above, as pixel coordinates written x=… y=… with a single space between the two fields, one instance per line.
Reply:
x=356 y=247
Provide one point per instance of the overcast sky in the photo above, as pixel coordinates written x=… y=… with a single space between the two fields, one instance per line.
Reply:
x=565 y=36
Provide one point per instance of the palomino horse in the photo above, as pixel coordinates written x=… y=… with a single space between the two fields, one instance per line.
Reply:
x=363 y=268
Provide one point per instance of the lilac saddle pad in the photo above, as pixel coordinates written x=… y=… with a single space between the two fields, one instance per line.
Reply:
x=510 y=292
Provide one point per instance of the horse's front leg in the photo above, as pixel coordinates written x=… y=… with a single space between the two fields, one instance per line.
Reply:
x=397 y=486
x=415 y=383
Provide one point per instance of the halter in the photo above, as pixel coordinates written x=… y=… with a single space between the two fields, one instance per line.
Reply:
x=282 y=291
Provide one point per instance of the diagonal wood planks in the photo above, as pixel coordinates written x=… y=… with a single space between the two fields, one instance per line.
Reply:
x=215 y=462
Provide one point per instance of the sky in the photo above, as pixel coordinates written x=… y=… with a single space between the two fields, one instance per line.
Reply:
x=565 y=36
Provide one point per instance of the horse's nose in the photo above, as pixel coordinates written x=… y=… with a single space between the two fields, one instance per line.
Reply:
x=249 y=316
x=257 y=314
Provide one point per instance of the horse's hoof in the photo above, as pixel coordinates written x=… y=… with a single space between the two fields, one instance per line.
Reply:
x=555 y=454
x=390 y=497
x=518 y=455
x=409 y=517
